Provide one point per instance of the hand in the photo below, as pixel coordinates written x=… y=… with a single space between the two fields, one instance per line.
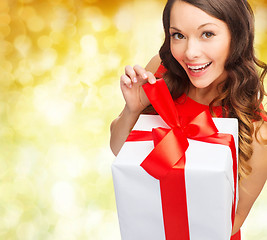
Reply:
x=131 y=85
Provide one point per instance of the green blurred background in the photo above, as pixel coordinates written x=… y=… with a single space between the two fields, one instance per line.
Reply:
x=59 y=91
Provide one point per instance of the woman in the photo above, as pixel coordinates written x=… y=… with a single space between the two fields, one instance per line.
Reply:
x=208 y=55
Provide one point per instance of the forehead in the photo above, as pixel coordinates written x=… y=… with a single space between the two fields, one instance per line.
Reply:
x=183 y=13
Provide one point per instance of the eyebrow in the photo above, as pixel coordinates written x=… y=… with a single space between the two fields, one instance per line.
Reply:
x=201 y=26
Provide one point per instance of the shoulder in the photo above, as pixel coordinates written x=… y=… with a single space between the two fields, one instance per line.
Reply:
x=258 y=160
x=153 y=64
x=260 y=132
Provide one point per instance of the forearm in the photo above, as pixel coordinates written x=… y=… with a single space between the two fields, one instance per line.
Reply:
x=120 y=129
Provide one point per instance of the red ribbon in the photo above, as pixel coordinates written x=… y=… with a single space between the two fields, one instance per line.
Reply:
x=166 y=161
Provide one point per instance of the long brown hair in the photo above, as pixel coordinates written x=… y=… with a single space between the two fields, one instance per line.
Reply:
x=242 y=92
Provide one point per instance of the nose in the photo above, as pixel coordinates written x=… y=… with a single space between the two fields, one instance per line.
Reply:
x=193 y=49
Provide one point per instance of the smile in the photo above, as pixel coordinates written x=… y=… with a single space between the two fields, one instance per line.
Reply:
x=199 y=68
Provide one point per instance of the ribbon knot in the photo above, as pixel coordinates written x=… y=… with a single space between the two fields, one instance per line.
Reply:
x=191 y=130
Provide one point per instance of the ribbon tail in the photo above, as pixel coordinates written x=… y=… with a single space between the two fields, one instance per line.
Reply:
x=174 y=203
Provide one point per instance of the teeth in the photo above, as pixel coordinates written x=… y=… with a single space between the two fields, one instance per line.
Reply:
x=198 y=67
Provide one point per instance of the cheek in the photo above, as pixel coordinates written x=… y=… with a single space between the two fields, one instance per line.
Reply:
x=177 y=52
x=220 y=53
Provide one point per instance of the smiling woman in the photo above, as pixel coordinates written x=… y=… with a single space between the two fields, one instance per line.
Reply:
x=208 y=57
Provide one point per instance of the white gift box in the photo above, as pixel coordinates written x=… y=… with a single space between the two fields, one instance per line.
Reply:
x=209 y=186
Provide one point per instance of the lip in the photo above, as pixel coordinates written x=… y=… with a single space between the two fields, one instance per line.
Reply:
x=197 y=74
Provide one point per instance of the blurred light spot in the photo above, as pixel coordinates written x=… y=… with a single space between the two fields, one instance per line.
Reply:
x=69 y=229
x=89 y=13
x=50 y=103
x=113 y=61
x=60 y=19
x=89 y=45
x=94 y=218
x=4 y=6
x=48 y=59
x=63 y=196
x=23 y=76
x=12 y=214
x=5 y=47
x=44 y=42
x=4 y=19
x=71 y=31
x=94 y=125
x=27 y=12
x=43 y=62
x=75 y=164
x=62 y=75
x=56 y=37
x=4 y=31
x=28 y=156
x=110 y=42
x=25 y=189
x=23 y=44
x=68 y=158
x=26 y=230
x=6 y=77
x=7 y=65
x=107 y=91
x=35 y=23
x=101 y=23
x=124 y=19
x=72 y=18
x=3 y=164
x=261 y=18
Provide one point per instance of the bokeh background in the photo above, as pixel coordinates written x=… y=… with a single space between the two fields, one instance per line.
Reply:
x=60 y=63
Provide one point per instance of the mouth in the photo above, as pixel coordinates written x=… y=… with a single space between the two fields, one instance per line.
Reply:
x=198 y=68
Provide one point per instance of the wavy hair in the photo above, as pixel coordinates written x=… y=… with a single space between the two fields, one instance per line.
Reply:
x=242 y=92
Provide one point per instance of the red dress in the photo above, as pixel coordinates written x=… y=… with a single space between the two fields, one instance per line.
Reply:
x=185 y=104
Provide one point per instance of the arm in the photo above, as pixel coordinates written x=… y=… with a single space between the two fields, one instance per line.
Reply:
x=251 y=186
x=135 y=101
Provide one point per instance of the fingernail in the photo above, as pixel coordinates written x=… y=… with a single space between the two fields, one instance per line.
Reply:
x=145 y=76
x=135 y=80
x=130 y=86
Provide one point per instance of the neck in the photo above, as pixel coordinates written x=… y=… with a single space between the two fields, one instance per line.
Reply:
x=203 y=95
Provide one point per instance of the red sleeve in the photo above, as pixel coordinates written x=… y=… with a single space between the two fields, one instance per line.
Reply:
x=161 y=70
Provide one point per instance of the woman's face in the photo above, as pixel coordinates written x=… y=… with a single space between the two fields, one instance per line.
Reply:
x=200 y=43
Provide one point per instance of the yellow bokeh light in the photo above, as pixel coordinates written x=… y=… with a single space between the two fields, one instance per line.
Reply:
x=89 y=46
x=44 y=42
x=124 y=19
x=23 y=44
x=35 y=23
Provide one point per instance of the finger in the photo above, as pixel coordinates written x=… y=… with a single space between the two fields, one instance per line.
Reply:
x=151 y=78
x=129 y=71
x=125 y=80
x=140 y=71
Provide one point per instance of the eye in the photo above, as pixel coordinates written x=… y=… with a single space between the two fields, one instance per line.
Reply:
x=208 y=35
x=178 y=36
